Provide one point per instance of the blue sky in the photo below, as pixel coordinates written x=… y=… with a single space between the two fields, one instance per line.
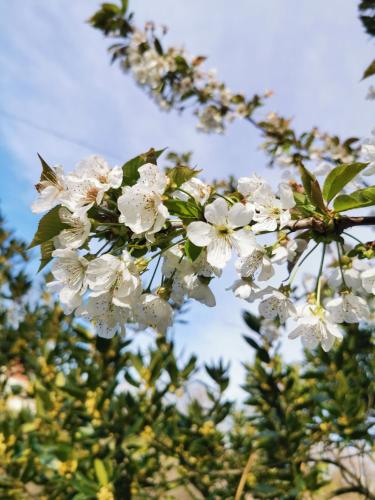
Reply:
x=55 y=73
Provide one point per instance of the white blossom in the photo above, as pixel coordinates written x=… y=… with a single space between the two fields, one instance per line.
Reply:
x=196 y=188
x=49 y=190
x=116 y=274
x=256 y=263
x=368 y=154
x=288 y=250
x=109 y=315
x=219 y=234
x=368 y=280
x=271 y=212
x=78 y=231
x=348 y=308
x=276 y=305
x=88 y=183
x=153 y=311
x=211 y=120
x=245 y=289
x=352 y=278
x=314 y=328
x=69 y=272
x=269 y=329
x=370 y=93
x=141 y=206
x=189 y=279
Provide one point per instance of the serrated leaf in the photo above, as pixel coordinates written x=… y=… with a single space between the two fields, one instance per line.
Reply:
x=180 y=174
x=369 y=71
x=49 y=226
x=46 y=249
x=192 y=251
x=130 y=168
x=101 y=472
x=339 y=177
x=358 y=199
x=186 y=210
x=312 y=188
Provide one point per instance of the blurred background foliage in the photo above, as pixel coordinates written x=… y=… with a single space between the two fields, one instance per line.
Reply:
x=84 y=420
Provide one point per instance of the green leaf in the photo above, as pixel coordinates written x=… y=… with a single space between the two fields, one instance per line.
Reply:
x=339 y=177
x=252 y=321
x=370 y=70
x=192 y=251
x=49 y=226
x=180 y=174
x=46 y=249
x=261 y=352
x=312 y=188
x=358 y=199
x=48 y=174
x=187 y=210
x=101 y=472
x=130 y=168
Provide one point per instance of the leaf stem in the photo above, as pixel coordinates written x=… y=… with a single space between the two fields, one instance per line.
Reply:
x=340 y=264
x=153 y=274
x=318 y=288
x=299 y=264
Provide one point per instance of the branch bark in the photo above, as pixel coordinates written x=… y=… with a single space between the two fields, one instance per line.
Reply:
x=339 y=225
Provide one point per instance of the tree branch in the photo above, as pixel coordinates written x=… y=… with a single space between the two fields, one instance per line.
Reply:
x=339 y=225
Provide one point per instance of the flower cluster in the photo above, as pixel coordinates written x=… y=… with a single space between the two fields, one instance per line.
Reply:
x=112 y=232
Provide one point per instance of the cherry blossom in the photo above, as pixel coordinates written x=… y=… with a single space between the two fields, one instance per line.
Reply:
x=315 y=327
x=219 y=234
x=69 y=272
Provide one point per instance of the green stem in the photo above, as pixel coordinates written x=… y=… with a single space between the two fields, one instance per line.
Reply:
x=153 y=274
x=185 y=192
x=101 y=248
x=319 y=280
x=225 y=198
x=299 y=264
x=340 y=264
x=353 y=237
x=167 y=248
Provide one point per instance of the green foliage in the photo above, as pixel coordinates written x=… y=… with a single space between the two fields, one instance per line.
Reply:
x=49 y=226
x=82 y=423
x=186 y=210
x=130 y=168
x=192 y=251
x=358 y=199
x=180 y=174
x=339 y=177
x=312 y=188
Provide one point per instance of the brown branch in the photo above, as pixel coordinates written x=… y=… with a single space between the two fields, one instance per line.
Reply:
x=338 y=225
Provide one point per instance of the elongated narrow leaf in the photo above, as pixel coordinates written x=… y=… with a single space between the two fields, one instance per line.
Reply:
x=339 y=177
x=101 y=472
x=49 y=226
x=130 y=168
x=312 y=188
x=359 y=199
x=370 y=70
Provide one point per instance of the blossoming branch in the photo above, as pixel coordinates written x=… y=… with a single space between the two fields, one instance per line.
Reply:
x=131 y=244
